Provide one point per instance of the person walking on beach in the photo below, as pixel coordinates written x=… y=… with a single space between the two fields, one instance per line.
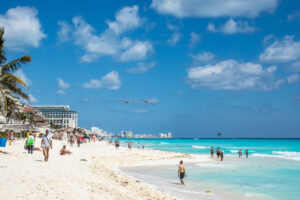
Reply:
x=240 y=153
x=46 y=143
x=117 y=143
x=246 y=153
x=212 y=151
x=78 y=142
x=222 y=155
x=218 y=152
x=181 y=172
x=138 y=145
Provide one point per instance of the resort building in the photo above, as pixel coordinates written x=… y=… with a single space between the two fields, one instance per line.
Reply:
x=59 y=115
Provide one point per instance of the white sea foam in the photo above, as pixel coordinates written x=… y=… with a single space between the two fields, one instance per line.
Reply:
x=199 y=147
x=234 y=151
x=164 y=143
x=289 y=155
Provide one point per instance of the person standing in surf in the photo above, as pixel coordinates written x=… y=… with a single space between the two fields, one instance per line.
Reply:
x=240 y=153
x=218 y=152
x=181 y=172
x=212 y=151
x=247 y=153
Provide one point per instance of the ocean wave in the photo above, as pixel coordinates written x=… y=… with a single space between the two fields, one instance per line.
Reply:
x=164 y=143
x=234 y=151
x=289 y=155
x=199 y=147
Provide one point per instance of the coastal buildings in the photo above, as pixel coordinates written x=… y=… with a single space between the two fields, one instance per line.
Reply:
x=59 y=115
x=164 y=135
x=99 y=132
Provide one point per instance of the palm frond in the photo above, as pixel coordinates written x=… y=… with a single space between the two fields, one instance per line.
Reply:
x=15 y=65
x=13 y=79
x=2 y=52
x=4 y=98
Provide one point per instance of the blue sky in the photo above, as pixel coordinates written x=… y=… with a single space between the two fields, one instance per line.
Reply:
x=205 y=66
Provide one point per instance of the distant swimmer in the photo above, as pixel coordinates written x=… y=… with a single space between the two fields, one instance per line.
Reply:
x=247 y=153
x=212 y=151
x=181 y=172
x=222 y=155
x=240 y=153
x=218 y=152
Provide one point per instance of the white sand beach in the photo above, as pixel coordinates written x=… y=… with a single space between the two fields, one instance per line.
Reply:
x=90 y=172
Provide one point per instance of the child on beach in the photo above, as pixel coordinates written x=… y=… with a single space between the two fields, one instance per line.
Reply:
x=212 y=151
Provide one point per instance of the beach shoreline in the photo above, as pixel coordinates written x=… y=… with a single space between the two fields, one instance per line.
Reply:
x=90 y=172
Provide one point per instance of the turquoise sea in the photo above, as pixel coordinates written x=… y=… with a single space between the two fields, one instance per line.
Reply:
x=271 y=172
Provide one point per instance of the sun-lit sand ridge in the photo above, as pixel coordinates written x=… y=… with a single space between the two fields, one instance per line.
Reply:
x=91 y=172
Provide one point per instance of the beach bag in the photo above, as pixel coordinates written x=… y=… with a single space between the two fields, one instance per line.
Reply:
x=29 y=142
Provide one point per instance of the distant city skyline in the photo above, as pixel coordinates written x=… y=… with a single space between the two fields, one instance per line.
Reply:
x=192 y=68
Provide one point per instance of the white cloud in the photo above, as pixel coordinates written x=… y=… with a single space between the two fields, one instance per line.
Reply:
x=194 y=38
x=61 y=91
x=292 y=78
x=172 y=27
x=110 y=81
x=23 y=76
x=268 y=38
x=62 y=84
x=64 y=32
x=294 y=67
x=232 y=75
x=232 y=27
x=282 y=51
x=214 y=8
x=211 y=27
x=137 y=51
x=32 y=99
x=174 y=38
x=295 y=15
x=22 y=28
x=126 y=19
x=112 y=42
x=204 y=57
x=141 y=68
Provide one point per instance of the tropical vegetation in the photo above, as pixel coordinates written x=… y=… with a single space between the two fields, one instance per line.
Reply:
x=10 y=84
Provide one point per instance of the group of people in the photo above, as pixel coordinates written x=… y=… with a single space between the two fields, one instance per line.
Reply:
x=9 y=137
x=46 y=145
x=129 y=144
x=220 y=154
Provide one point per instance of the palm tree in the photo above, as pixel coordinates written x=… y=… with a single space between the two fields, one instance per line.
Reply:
x=10 y=83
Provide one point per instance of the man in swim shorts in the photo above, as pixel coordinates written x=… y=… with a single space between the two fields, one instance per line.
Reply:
x=181 y=172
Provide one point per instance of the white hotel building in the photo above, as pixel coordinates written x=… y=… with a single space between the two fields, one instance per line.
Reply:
x=60 y=115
